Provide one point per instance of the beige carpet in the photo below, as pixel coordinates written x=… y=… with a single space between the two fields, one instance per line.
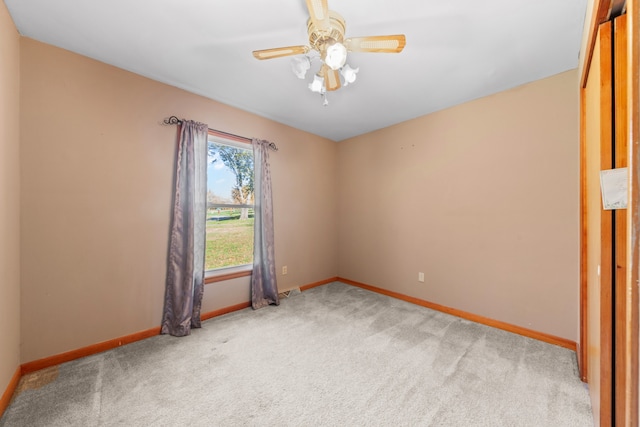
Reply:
x=335 y=355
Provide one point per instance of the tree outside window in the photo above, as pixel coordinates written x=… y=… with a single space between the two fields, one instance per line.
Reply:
x=230 y=200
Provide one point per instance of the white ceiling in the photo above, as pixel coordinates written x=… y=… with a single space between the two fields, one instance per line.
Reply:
x=456 y=51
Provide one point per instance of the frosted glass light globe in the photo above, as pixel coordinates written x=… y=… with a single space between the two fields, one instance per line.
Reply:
x=336 y=56
x=349 y=74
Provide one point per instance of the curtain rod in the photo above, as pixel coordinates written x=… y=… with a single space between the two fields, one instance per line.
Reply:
x=173 y=120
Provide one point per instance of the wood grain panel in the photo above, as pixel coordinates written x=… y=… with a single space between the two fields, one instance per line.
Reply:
x=633 y=215
x=601 y=13
x=583 y=345
x=596 y=260
x=606 y=229
x=621 y=400
x=227 y=276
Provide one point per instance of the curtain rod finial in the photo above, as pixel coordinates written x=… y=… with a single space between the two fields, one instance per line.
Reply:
x=173 y=120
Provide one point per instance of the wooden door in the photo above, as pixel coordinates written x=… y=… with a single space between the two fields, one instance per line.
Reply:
x=621 y=292
x=610 y=351
x=597 y=233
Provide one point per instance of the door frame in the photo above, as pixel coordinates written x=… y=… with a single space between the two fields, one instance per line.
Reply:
x=626 y=386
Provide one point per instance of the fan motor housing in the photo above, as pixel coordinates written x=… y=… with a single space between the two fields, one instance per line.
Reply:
x=321 y=39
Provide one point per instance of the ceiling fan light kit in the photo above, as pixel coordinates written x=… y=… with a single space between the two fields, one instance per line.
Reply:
x=300 y=65
x=349 y=74
x=317 y=85
x=335 y=56
x=326 y=30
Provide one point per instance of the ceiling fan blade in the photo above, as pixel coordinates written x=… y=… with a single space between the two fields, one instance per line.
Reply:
x=381 y=44
x=319 y=13
x=280 y=51
x=331 y=78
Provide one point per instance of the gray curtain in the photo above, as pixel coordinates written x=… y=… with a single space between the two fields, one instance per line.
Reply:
x=264 y=288
x=185 y=264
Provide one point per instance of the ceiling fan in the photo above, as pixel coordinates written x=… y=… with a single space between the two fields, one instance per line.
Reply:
x=326 y=30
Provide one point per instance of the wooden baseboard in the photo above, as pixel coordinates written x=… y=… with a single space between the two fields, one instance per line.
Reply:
x=225 y=310
x=68 y=356
x=316 y=284
x=541 y=336
x=8 y=393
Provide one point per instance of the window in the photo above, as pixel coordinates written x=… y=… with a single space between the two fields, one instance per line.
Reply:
x=229 y=204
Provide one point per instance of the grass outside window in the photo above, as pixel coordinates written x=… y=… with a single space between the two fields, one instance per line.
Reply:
x=229 y=241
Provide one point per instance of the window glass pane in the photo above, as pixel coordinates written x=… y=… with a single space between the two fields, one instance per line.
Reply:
x=229 y=205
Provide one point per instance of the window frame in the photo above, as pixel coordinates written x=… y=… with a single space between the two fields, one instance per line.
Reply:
x=234 y=271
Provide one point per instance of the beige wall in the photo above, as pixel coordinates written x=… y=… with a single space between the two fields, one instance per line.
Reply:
x=9 y=198
x=96 y=182
x=483 y=198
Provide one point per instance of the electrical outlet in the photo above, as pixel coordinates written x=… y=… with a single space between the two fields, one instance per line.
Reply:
x=284 y=270
x=421 y=277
